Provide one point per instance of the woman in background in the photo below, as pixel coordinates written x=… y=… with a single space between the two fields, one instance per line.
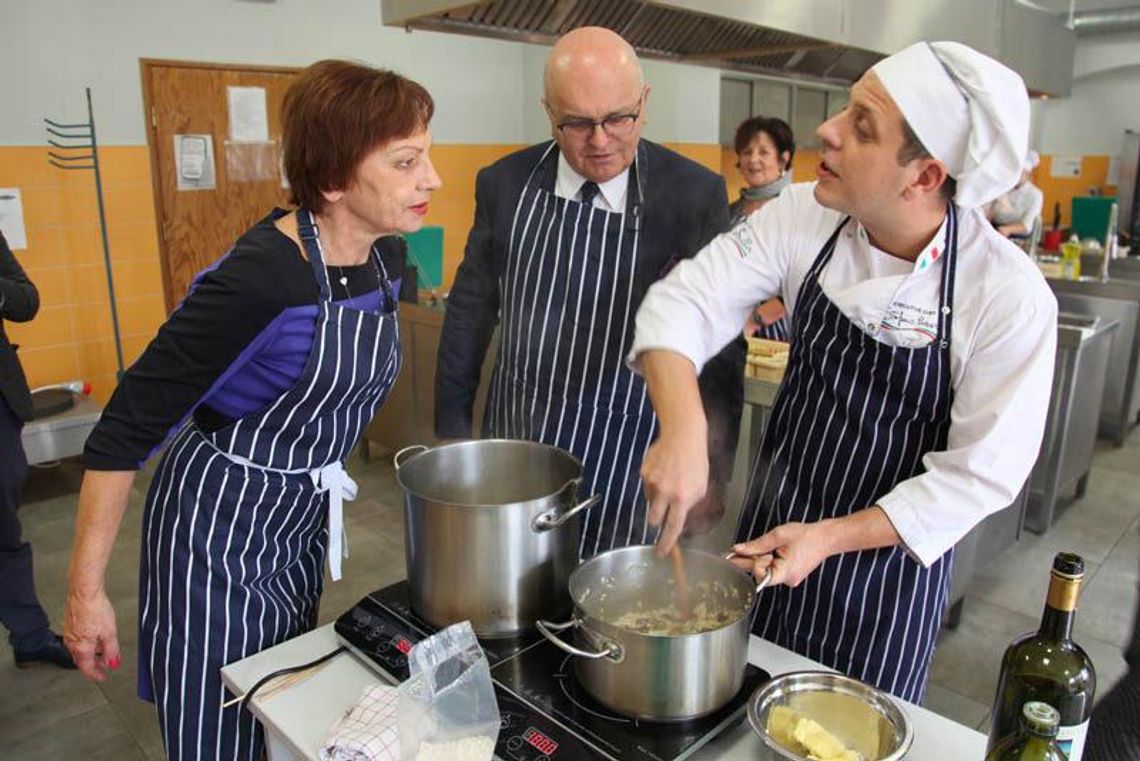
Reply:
x=269 y=370
x=765 y=147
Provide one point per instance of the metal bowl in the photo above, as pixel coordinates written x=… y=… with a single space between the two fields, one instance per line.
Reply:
x=865 y=719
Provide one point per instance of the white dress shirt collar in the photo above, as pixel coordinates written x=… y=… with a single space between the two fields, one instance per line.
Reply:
x=931 y=253
x=611 y=198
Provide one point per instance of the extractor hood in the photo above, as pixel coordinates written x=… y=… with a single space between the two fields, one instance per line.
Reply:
x=824 y=40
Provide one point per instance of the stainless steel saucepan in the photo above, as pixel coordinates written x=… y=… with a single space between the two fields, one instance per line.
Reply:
x=635 y=656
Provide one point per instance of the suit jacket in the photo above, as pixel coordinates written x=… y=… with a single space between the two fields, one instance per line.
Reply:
x=19 y=302
x=681 y=207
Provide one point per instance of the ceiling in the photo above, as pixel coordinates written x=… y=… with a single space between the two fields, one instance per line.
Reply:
x=799 y=39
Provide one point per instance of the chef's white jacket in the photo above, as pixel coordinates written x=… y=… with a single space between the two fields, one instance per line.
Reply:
x=1003 y=340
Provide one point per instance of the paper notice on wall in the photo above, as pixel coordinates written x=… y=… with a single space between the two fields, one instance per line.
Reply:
x=251 y=162
x=249 y=117
x=1113 y=176
x=281 y=167
x=1065 y=166
x=194 y=162
x=12 y=219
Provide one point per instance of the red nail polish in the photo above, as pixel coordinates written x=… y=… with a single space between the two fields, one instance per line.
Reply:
x=114 y=662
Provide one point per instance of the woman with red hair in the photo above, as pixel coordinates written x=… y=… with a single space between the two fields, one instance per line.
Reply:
x=264 y=377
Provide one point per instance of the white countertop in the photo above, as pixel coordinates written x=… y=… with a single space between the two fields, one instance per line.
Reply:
x=297 y=719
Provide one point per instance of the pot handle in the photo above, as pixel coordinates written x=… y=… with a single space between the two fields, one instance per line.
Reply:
x=613 y=650
x=416 y=447
x=554 y=518
x=767 y=576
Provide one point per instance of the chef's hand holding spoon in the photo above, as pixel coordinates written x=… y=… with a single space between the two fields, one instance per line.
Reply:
x=794 y=550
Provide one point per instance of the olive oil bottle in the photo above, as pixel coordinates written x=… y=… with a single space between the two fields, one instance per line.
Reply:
x=1047 y=666
x=1037 y=739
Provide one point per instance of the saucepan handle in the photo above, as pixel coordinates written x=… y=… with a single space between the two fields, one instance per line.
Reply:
x=547 y=629
x=413 y=448
x=767 y=573
x=554 y=517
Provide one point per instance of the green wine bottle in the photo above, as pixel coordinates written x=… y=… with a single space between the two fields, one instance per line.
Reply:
x=1037 y=739
x=1047 y=666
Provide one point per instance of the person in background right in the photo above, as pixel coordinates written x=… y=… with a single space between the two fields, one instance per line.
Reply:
x=764 y=147
x=1013 y=213
x=1114 y=731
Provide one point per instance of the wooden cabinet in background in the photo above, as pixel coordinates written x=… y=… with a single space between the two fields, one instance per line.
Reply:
x=408 y=415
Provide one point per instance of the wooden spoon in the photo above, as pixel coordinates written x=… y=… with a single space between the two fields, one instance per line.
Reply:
x=684 y=601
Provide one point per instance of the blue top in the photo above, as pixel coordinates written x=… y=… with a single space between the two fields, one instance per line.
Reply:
x=235 y=344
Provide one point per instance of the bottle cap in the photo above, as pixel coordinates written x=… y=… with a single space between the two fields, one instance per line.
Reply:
x=1040 y=718
x=1069 y=564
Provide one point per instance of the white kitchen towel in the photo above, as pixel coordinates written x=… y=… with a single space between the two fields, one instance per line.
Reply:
x=368 y=731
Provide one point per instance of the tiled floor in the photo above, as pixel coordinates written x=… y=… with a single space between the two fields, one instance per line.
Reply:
x=50 y=714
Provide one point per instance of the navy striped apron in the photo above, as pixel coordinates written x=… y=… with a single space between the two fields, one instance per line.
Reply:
x=853 y=418
x=777 y=331
x=237 y=522
x=568 y=306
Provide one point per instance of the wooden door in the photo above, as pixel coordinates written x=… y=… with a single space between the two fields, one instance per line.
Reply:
x=196 y=226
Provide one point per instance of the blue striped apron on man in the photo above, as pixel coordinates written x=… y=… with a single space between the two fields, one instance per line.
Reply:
x=560 y=378
x=853 y=418
x=238 y=524
x=775 y=331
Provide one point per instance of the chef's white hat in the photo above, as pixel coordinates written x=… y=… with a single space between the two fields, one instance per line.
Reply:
x=970 y=111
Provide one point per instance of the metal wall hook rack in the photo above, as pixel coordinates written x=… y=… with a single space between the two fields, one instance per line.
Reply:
x=81 y=137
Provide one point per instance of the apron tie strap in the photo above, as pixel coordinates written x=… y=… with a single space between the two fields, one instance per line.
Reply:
x=331 y=478
x=334 y=479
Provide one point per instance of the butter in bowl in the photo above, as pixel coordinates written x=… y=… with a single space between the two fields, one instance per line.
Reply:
x=824 y=716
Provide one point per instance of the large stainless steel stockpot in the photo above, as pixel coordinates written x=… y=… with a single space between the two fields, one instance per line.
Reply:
x=491 y=531
x=658 y=677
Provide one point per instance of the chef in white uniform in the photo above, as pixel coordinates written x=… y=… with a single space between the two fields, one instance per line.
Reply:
x=1013 y=213
x=922 y=358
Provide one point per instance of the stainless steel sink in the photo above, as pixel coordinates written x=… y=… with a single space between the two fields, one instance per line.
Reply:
x=1124 y=268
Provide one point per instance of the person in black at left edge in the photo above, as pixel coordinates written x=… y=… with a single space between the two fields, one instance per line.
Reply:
x=29 y=633
x=268 y=371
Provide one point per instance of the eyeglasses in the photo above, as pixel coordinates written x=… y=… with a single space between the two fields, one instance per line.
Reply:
x=614 y=125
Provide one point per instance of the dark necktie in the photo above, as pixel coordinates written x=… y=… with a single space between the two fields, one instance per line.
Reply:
x=588 y=191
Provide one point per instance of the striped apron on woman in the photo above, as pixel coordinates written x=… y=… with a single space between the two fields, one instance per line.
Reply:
x=568 y=304
x=854 y=418
x=237 y=522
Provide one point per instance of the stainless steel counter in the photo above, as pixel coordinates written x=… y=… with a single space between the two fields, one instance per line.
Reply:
x=61 y=435
x=1084 y=346
x=1113 y=301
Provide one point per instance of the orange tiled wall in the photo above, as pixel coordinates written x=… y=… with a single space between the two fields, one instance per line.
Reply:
x=71 y=337
x=1094 y=174
x=453 y=205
